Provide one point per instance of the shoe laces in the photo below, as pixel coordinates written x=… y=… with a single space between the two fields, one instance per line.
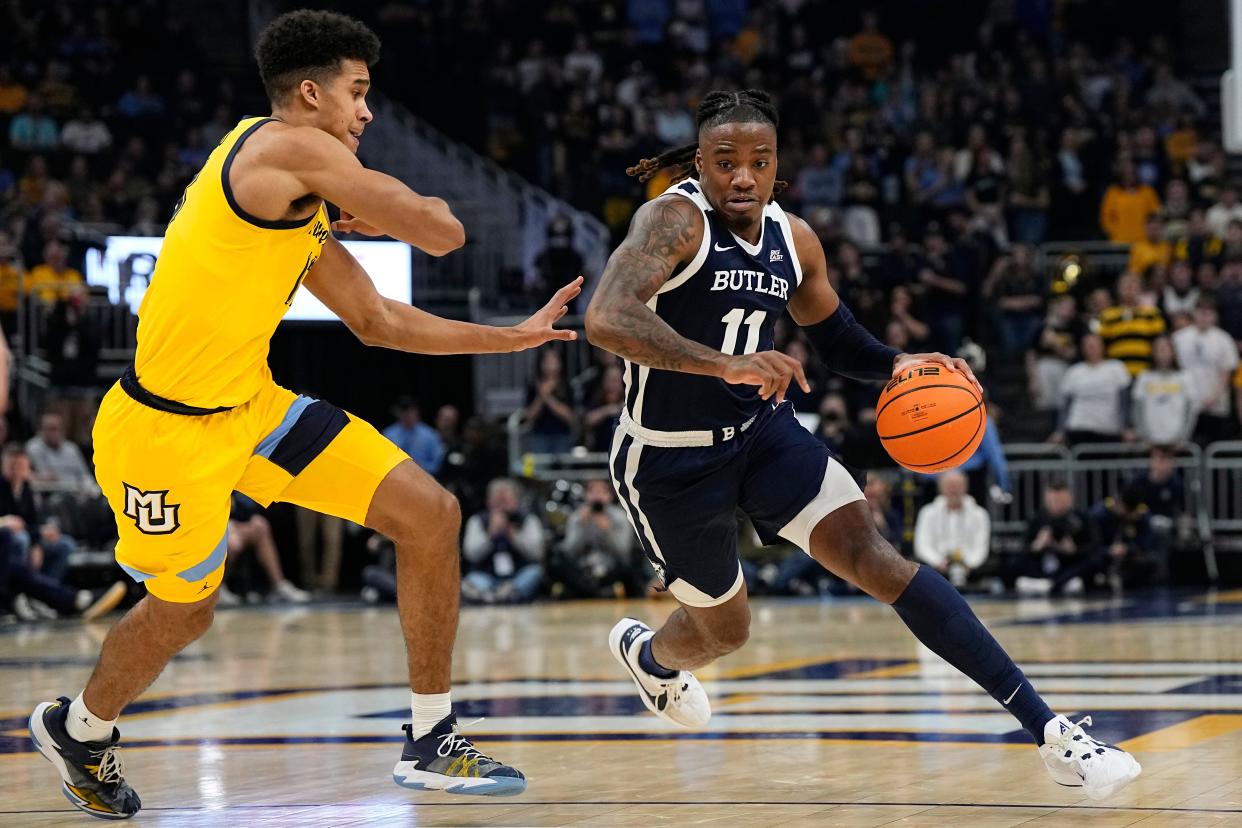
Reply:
x=454 y=742
x=110 y=769
x=1065 y=742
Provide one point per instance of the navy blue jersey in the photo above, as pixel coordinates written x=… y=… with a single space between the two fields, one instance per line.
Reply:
x=728 y=298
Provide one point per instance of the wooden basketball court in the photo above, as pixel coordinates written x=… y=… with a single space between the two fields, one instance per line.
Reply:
x=831 y=715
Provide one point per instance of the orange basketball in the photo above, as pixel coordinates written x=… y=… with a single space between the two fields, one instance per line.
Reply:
x=930 y=419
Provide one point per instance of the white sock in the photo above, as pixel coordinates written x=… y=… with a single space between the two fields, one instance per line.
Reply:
x=85 y=726
x=427 y=710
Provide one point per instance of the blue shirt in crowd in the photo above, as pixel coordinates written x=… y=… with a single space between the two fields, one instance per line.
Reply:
x=421 y=442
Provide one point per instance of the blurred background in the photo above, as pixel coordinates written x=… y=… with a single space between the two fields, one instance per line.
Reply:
x=1038 y=186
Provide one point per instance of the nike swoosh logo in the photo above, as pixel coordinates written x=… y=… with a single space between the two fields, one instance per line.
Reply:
x=720 y=249
x=1014 y=693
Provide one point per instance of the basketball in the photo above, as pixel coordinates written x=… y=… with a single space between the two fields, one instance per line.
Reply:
x=930 y=419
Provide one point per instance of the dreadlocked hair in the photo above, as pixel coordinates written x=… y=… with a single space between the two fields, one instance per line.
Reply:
x=716 y=108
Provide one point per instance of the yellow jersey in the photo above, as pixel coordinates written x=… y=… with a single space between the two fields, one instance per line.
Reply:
x=221 y=285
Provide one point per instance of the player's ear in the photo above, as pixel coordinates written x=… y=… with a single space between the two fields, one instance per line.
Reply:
x=309 y=91
x=698 y=161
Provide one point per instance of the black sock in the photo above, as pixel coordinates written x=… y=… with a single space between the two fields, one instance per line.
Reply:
x=647 y=661
x=941 y=619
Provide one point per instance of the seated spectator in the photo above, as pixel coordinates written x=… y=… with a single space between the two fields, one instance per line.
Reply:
x=46 y=547
x=503 y=550
x=1164 y=404
x=1152 y=249
x=834 y=422
x=58 y=462
x=887 y=519
x=1094 y=398
x=870 y=51
x=318 y=531
x=379 y=579
x=600 y=420
x=599 y=555
x=952 y=534
x=417 y=439
x=1180 y=294
x=1176 y=210
x=548 y=416
x=1061 y=551
x=448 y=426
x=1160 y=487
x=86 y=134
x=901 y=312
x=1209 y=356
x=248 y=529
x=1055 y=350
x=54 y=279
x=818 y=183
x=33 y=130
x=1198 y=245
x=1225 y=211
x=1129 y=327
x=1137 y=551
x=1017 y=290
x=21 y=584
x=1126 y=206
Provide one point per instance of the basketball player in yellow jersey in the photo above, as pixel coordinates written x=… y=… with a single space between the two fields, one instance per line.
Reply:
x=198 y=414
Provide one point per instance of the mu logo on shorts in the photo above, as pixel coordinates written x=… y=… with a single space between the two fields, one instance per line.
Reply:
x=149 y=512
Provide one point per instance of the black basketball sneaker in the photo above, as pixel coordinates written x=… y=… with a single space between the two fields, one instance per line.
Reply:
x=444 y=760
x=92 y=773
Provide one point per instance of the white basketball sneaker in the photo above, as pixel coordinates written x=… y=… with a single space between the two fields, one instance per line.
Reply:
x=680 y=699
x=1076 y=760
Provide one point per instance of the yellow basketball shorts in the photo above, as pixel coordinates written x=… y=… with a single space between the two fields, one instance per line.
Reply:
x=169 y=477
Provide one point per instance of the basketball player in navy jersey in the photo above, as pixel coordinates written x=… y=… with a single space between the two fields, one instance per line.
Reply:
x=689 y=301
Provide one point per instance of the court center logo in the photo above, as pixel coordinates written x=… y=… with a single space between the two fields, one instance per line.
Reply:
x=149 y=511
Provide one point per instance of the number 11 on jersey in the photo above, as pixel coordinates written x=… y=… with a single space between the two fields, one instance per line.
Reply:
x=734 y=320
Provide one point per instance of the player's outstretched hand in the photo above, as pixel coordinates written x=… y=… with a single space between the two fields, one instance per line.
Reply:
x=538 y=328
x=772 y=371
x=349 y=224
x=952 y=363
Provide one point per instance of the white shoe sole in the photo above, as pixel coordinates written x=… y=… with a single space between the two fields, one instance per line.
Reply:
x=615 y=647
x=1069 y=779
x=46 y=745
x=405 y=775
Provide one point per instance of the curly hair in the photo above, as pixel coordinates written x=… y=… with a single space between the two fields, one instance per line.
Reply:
x=310 y=44
x=716 y=108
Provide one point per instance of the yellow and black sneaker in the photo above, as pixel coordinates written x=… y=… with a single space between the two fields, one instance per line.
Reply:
x=92 y=772
x=444 y=760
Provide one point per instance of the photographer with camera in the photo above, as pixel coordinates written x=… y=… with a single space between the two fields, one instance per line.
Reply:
x=503 y=550
x=1062 y=554
x=598 y=557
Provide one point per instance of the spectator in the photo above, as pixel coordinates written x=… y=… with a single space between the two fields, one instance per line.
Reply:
x=1164 y=404
x=33 y=130
x=818 y=183
x=58 y=462
x=448 y=426
x=1094 y=398
x=600 y=559
x=72 y=344
x=558 y=264
x=1176 y=210
x=953 y=532
x=583 y=66
x=1166 y=91
x=548 y=416
x=600 y=421
x=901 y=312
x=1199 y=246
x=13 y=93
x=503 y=550
x=1129 y=327
x=833 y=422
x=248 y=529
x=1071 y=194
x=1055 y=350
x=45 y=547
x=141 y=101
x=1137 y=552
x=1160 y=487
x=1224 y=212
x=887 y=519
x=1126 y=206
x=1061 y=551
x=21 y=583
x=1153 y=249
x=943 y=291
x=86 y=134
x=54 y=279
x=1210 y=357
x=870 y=51
x=1027 y=188
x=417 y=439
x=1180 y=295
x=1018 y=292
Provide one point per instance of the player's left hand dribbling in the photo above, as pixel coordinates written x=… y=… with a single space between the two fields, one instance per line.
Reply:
x=952 y=363
x=538 y=329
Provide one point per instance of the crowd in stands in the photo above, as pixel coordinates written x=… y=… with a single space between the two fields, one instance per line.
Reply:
x=933 y=174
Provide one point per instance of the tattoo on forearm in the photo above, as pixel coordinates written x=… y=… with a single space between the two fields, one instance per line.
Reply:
x=660 y=239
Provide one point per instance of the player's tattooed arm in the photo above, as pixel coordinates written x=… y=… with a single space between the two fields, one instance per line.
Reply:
x=665 y=234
